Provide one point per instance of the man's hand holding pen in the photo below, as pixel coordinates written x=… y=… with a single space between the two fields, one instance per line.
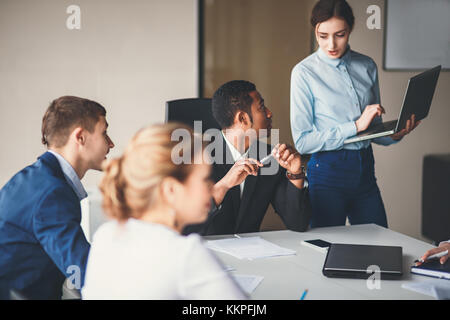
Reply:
x=291 y=160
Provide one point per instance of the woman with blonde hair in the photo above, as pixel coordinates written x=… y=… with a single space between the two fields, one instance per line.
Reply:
x=140 y=254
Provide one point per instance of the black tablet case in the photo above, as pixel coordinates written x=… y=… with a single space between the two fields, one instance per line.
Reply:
x=352 y=261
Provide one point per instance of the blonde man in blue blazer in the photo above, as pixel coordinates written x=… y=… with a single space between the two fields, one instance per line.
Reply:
x=41 y=240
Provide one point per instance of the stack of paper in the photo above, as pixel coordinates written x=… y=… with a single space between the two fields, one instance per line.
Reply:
x=248 y=248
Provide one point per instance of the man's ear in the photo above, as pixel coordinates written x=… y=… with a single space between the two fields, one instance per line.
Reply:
x=241 y=118
x=79 y=135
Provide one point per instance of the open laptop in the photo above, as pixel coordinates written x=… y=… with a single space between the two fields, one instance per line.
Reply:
x=361 y=261
x=417 y=100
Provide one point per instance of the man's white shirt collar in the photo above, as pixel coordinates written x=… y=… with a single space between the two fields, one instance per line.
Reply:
x=70 y=175
x=234 y=152
x=236 y=156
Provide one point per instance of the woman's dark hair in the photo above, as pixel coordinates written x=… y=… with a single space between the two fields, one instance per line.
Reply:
x=326 y=9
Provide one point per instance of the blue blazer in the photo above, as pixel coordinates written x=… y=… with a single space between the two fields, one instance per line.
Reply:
x=40 y=232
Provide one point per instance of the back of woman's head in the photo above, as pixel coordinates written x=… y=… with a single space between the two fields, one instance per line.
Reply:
x=130 y=184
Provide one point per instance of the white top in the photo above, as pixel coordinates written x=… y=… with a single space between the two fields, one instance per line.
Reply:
x=236 y=156
x=143 y=260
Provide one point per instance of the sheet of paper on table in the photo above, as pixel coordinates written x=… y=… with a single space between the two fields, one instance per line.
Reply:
x=437 y=288
x=248 y=248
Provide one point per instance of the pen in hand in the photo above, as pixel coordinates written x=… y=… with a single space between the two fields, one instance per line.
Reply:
x=434 y=256
x=266 y=160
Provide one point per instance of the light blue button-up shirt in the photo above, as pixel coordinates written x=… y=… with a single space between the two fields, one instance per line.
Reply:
x=71 y=176
x=328 y=96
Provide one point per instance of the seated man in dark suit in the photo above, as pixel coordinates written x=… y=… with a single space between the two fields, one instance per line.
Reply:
x=41 y=240
x=243 y=191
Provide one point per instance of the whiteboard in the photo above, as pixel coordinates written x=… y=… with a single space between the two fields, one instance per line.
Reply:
x=417 y=34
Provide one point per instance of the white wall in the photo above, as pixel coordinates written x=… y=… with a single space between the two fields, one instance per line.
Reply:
x=399 y=167
x=131 y=56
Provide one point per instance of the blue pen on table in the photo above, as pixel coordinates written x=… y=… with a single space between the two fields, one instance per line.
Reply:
x=304 y=294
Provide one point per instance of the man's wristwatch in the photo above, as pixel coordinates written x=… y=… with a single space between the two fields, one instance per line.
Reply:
x=298 y=176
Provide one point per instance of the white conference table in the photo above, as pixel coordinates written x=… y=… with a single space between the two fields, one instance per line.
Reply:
x=286 y=277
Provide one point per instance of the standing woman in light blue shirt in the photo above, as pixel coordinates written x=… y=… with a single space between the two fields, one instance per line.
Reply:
x=334 y=95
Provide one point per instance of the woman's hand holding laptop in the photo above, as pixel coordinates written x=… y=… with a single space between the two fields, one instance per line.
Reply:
x=411 y=124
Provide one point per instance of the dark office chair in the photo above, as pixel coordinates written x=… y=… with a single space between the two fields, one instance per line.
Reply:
x=436 y=197
x=189 y=110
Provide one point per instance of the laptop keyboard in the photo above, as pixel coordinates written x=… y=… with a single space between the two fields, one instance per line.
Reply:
x=381 y=127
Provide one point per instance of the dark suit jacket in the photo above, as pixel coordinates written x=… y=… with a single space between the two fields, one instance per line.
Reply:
x=40 y=232
x=236 y=215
